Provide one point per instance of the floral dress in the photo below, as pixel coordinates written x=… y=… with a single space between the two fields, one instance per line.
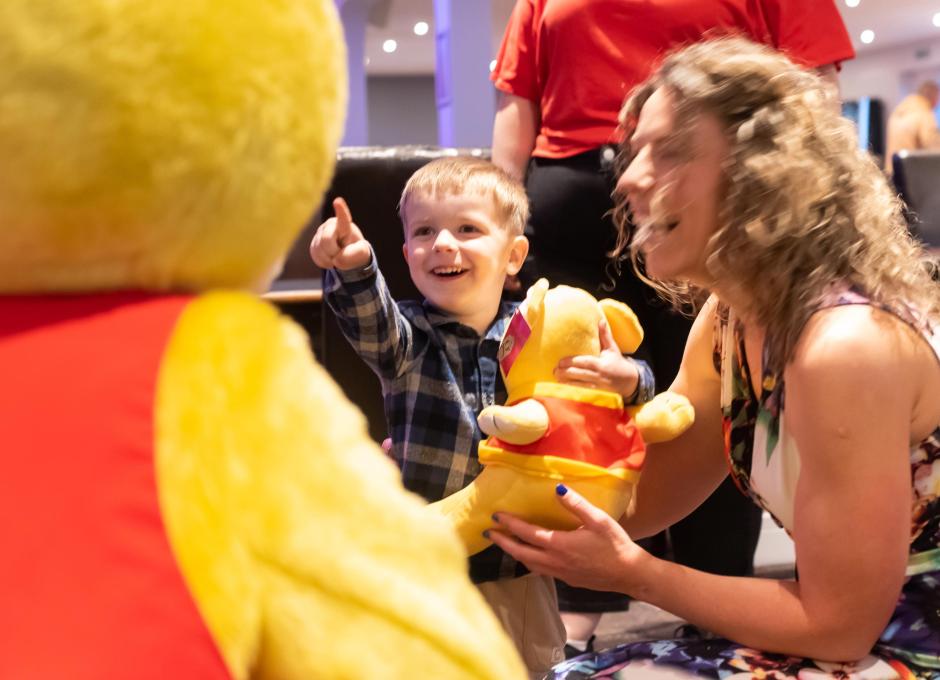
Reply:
x=765 y=464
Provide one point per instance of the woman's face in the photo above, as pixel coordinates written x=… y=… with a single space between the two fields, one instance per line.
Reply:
x=674 y=186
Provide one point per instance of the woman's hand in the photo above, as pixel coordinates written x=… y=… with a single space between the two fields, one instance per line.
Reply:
x=609 y=371
x=598 y=555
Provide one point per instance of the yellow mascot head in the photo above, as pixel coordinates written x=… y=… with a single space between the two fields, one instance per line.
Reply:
x=162 y=144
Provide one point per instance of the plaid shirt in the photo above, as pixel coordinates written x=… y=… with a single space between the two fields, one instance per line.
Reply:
x=437 y=375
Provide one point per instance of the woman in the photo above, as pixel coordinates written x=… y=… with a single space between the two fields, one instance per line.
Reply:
x=563 y=70
x=813 y=368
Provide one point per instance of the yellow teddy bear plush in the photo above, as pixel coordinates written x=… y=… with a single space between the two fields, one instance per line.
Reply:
x=550 y=433
x=185 y=493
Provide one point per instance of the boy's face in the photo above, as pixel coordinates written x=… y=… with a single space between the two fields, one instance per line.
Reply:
x=459 y=254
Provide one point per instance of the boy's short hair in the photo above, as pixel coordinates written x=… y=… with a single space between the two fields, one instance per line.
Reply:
x=469 y=175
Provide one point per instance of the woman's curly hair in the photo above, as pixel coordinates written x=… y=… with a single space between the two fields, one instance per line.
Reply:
x=804 y=208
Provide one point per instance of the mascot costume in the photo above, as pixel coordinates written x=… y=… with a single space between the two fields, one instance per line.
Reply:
x=185 y=494
x=550 y=433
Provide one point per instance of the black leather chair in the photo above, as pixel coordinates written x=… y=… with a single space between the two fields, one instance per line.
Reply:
x=917 y=179
x=371 y=180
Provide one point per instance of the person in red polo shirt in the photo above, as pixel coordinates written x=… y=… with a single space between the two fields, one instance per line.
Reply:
x=563 y=70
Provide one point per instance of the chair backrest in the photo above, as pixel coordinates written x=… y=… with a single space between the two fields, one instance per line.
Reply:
x=917 y=179
x=371 y=180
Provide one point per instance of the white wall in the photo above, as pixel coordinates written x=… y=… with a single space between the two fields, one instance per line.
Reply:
x=402 y=110
x=892 y=73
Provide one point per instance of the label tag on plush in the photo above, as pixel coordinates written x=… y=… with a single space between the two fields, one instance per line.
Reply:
x=513 y=340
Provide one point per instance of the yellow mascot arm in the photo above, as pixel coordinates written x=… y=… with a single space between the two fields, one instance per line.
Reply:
x=306 y=557
x=521 y=423
x=664 y=417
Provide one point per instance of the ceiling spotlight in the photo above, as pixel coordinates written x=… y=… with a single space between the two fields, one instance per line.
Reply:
x=852 y=3
x=492 y=65
x=421 y=28
x=392 y=45
x=936 y=19
x=868 y=36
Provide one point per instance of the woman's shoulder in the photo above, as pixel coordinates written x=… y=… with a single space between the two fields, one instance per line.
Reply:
x=863 y=348
x=856 y=334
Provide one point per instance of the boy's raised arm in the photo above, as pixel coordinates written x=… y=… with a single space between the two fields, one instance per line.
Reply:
x=356 y=292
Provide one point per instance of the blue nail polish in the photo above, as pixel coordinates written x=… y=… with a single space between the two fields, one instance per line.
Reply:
x=486 y=534
x=495 y=518
x=561 y=489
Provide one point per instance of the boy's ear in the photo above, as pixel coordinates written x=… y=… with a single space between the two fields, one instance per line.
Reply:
x=404 y=250
x=518 y=250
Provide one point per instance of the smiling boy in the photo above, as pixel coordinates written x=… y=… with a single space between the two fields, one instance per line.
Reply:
x=437 y=358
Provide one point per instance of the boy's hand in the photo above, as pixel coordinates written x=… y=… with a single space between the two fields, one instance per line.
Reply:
x=609 y=371
x=338 y=243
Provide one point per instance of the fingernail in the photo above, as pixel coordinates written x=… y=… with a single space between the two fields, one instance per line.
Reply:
x=486 y=534
x=495 y=518
x=561 y=489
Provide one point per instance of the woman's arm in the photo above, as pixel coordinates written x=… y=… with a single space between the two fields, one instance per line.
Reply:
x=679 y=474
x=851 y=390
x=850 y=396
x=514 y=130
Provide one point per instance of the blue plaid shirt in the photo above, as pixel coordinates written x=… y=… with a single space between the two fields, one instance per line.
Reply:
x=437 y=375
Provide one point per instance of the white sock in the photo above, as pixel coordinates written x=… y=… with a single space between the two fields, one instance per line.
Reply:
x=580 y=645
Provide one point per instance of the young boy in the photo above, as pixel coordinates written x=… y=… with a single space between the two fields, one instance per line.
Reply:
x=463 y=220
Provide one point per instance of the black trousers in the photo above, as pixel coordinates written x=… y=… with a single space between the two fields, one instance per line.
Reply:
x=570 y=233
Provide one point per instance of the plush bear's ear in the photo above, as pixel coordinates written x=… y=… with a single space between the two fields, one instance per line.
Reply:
x=626 y=329
x=534 y=297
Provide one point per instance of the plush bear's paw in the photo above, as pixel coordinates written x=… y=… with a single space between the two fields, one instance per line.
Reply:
x=520 y=423
x=665 y=417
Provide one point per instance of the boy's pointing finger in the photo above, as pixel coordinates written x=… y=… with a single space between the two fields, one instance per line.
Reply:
x=343 y=218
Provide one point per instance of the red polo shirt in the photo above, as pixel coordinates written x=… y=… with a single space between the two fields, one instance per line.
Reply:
x=579 y=59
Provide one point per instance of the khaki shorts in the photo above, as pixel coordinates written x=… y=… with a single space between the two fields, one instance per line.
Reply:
x=528 y=609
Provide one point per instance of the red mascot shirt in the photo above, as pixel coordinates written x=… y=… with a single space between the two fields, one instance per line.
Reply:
x=89 y=585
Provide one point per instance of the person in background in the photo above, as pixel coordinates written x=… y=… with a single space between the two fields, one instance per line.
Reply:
x=814 y=370
x=913 y=123
x=563 y=71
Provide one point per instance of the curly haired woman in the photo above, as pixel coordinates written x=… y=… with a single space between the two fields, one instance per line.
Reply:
x=813 y=368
